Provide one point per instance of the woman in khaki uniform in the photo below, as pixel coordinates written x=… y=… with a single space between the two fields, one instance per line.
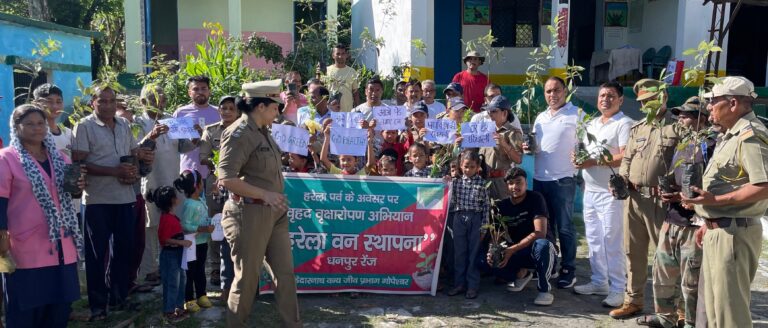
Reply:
x=254 y=218
x=508 y=149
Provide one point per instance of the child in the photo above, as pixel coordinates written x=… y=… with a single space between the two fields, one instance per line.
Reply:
x=386 y=166
x=172 y=241
x=418 y=157
x=393 y=141
x=348 y=163
x=194 y=219
x=470 y=209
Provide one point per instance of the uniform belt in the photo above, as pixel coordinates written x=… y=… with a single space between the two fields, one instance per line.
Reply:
x=496 y=174
x=718 y=223
x=645 y=191
x=246 y=200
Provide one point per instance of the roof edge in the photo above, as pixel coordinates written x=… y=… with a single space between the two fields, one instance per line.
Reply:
x=48 y=26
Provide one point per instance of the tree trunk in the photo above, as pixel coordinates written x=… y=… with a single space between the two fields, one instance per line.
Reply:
x=38 y=9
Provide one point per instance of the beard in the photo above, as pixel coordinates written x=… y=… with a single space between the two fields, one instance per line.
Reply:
x=200 y=100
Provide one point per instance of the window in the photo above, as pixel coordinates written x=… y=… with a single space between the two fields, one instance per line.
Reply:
x=24 y=85
x=515 y=23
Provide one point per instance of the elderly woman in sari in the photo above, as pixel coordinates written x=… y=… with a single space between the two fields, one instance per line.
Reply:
x=38 y=225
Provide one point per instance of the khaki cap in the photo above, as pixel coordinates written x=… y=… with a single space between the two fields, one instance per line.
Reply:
x=732 y=86
x=474 y=53
x=646 y=89
x=264 y=89
x=692 y=105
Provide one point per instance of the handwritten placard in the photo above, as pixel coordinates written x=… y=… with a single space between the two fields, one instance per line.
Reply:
x=478 y=134
x=440 y=131
x=349 y=141
x=181 y=128
x=346 y=120
x=390 y=117
x=291 y=139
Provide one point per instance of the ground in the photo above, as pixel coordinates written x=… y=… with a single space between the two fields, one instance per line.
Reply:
x=495 y=307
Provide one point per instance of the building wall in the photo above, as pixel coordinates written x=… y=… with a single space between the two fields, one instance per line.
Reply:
x=271 y=19
x=660 y=19
x=514 y=61
x=75 y=54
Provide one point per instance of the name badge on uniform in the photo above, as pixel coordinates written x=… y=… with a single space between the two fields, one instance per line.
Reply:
x=265 y=148
x=640 y=140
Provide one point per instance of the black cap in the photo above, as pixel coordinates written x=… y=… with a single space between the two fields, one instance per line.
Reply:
x=453 y=86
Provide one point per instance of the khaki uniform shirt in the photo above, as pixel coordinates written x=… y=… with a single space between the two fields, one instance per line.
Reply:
x=210 y=141
x=740 y=158
x=495 y=158
x=649 y=151
x=249 y=153
x=105 y=146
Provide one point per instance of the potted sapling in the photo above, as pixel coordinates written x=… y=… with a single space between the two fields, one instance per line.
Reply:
x=499 y=236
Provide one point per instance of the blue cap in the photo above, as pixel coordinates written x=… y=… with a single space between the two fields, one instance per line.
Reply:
x=498 y=102
x=454 y=87
x=456 y=103
x=420 y=106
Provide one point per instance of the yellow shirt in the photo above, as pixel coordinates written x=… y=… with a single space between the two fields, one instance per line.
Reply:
x=343 y=80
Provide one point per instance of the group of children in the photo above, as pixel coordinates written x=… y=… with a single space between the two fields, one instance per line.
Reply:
x=184 y=290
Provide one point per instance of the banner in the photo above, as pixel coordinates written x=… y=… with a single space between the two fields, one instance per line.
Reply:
x=478 y=134
x=346 y=141
x=440 y=131
x=291 y=139
x=181 y=128
x=365 y=234
x=390 y=117
x=346 y=120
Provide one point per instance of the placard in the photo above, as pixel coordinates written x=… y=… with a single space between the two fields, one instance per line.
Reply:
x=181 y=128
x=390 y=117
x=349 y=141
x=440 y=131
x=346 y=119
x=478 y=134
x=291 y=139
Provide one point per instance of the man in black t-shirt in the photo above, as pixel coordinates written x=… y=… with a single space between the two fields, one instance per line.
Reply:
x=527 y=230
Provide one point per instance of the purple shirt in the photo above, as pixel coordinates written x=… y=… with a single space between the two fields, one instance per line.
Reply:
x=211 y=115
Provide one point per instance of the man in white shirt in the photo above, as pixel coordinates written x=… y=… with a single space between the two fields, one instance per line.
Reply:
x=553 y=175
x=428 y=89
x=603 y=214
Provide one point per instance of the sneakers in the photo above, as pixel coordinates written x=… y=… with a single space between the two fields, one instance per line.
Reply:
x=625 y=311
x=544 y=299
x=191 y=306
x=204 y=302
x=614 y=299
x=566 y=279
x=520 y=283
x=591 y=289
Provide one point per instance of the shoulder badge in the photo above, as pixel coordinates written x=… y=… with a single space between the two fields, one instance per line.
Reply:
x=638 y=123
x=746 y=132
x=239 y=130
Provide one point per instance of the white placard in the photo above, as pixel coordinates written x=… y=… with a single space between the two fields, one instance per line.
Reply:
x=390 y=117
x=478 y=134
x=218 y=231
x=346 y=120
x=346 y=141
x=190 y=253
x=181 y=128
x=291 y=139
x=440 y=131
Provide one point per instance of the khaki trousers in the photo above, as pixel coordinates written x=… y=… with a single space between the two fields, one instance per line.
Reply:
x=729 y=266
x=643 y=218
x=253 y=231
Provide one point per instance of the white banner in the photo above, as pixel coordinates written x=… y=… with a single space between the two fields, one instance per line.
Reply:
x=346 y=141
x=478 y=134
x=390 y=117
x=346 y=120
x=291 y=139
x=181 y=128
x=440 y=131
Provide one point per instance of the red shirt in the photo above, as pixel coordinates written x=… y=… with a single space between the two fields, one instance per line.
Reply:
x=401 y=148
x=474 y=88
x=170 y=225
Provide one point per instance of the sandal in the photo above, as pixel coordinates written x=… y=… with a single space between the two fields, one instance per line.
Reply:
x=650 y=320
x=101 y=316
